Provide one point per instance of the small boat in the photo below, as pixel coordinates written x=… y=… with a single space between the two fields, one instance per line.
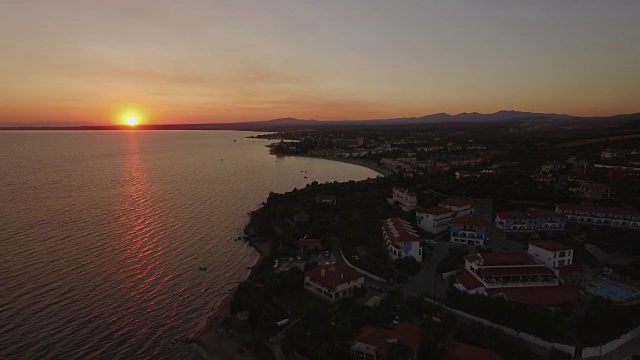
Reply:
x=202 y=268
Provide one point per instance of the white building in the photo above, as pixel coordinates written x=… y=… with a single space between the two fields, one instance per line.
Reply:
x=469 y=230
x=402 y=239
x=332 y=282
x=532 y=277
x=552 y=253
x=435 y=219
x=600 y=215
x=403 y=197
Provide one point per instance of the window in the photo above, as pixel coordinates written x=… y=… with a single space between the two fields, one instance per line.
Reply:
x=561 y=262
x=562 y=253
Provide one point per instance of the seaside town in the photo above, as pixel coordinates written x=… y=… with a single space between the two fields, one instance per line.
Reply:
x=472 y=244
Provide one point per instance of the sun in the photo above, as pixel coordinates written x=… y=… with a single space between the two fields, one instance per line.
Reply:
x=131 y=120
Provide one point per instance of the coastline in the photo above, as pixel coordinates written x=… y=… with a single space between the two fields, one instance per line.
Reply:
x=360 y=162
x=211 y=338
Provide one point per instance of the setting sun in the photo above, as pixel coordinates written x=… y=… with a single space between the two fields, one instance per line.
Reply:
x=131 y=120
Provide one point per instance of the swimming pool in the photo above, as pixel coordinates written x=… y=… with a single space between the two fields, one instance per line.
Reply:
x=611 y=290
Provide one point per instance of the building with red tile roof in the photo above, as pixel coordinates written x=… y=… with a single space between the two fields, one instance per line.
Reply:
x=375 y=342
x=332 y=282
x=455 y=350
x=401 y=238
x=532 y=278
x=435 y=219
x=468 y=230
x=618 y=217
x=532 y=220
x=406 y=199
x=308 y=244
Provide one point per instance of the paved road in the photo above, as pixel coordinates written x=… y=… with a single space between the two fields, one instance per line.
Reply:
x=428 y=280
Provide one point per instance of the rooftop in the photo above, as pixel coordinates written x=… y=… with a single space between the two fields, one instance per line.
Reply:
x=469 y=281
x=456 y=202
x=434 y=210
x=333 y=275
x=513 y=215
x=550 y=245
x=597 y=209
x=380 y=338
x=470 y=221
x=501 y=258
x=399 y=230
x=515 y=271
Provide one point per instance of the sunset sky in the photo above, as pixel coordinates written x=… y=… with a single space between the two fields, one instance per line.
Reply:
x=225 y=61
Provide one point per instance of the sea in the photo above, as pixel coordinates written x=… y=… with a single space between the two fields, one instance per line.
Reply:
x=102 y=235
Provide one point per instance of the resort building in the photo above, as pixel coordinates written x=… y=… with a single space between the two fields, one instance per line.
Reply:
x=332 y=282
x=526 y=277
x=402 y=239
x=593 y=191
x=514 y=222
x=403 y=197
x=374 y=343
x=601 y=216
x=468 y=230
x=435 y=219
x=326 y=199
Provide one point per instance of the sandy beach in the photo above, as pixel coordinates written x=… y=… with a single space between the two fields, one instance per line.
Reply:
x=360 y=162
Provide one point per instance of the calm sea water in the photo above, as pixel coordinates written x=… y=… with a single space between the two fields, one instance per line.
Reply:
x=102 y=234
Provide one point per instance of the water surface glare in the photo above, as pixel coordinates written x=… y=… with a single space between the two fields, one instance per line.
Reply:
x=102 y=234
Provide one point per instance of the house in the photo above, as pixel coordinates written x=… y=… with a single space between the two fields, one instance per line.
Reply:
x=435 y=219
x=332 y=282
x=402 y=239
x=593 y=191
x=403 y=197
x=517 y=276
x=307 y=244
x=455 y=350
x=468 y=230
x=600 y=215
x=326 y=199
x=375 y=342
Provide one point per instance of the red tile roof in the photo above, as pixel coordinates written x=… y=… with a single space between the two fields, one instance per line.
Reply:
x=550 y=245
x=540 y=295
x=470 y=221
x=597 y=209
x=539 y=213
x=461 y=351
x=473 y=258
x=506 y=258
x=456 y=202
x=515 y=271
x=333 y=275
x=513 y=215
x=434 y=210
x=469 y=281
x=405 y=333
x=399 y=230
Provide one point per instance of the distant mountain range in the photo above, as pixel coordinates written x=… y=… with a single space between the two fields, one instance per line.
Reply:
x=527 y=118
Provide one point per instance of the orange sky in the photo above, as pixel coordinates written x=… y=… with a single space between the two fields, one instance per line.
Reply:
x=225 y=61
